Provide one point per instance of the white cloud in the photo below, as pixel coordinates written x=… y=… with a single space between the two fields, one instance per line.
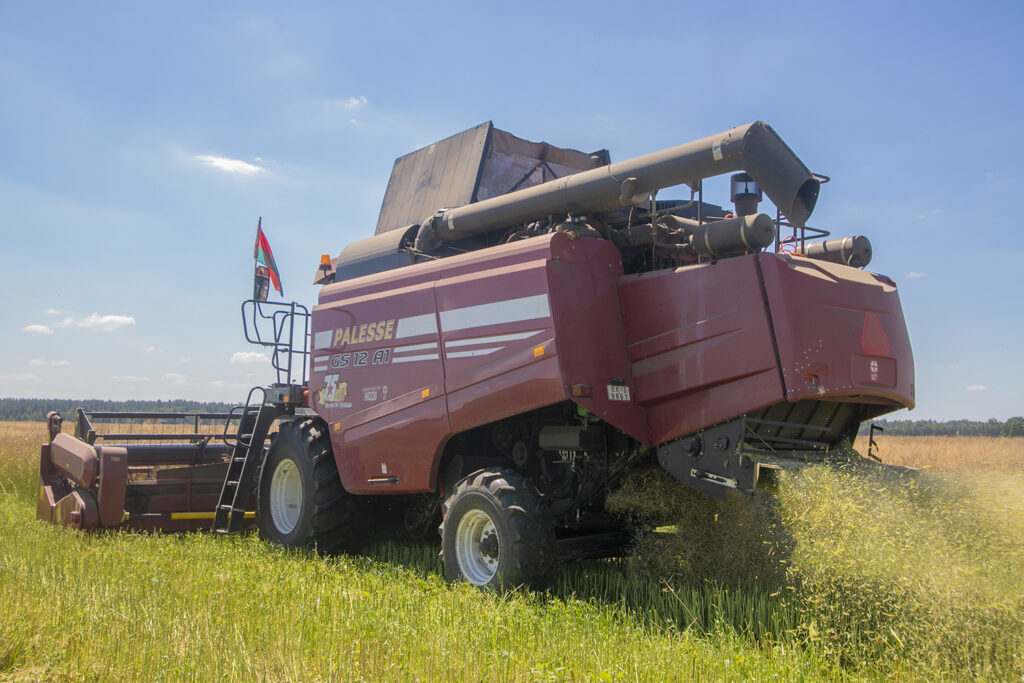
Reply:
x=41 y=362
x=928 y=214
x=107 y=323
x=176 y=379
x=242 y=357
x=345 y=103
x=977 y=387
x=357 y=123
x=52 y=311
x=150 y=349
x=95 y=321
x=130 y=378
x=914 y=275
x=233 y=166
x=184 y=360
x=91 y=322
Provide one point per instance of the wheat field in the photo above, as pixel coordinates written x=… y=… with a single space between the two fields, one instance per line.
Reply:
x=950 y=454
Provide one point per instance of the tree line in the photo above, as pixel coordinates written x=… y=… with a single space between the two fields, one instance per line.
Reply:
x=992 y=427
x=35 y=409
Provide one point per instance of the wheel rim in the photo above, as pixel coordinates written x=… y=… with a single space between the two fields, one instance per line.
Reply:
x=286 y=496
x=476 y=547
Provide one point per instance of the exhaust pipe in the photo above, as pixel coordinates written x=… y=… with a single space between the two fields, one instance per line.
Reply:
x=754 y=148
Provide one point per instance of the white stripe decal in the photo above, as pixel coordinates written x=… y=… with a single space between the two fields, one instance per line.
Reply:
x=322 y=340
x=321 y=359
x=319 y=368
x=414 y=347
x=407 y=359
x=492 y=340
x=508 y=311
x=474 y=352
x=416 y=325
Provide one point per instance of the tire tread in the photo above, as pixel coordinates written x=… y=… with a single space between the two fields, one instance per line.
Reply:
x=337 y=518
x=532 y=535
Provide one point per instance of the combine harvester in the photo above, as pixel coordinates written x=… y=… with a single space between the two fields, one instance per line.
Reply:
x=526 y=326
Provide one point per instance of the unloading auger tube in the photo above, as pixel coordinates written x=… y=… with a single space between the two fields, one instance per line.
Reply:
x=754 y=148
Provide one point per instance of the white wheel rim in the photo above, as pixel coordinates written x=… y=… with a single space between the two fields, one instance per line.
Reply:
x=474 y=529
x=286 y=496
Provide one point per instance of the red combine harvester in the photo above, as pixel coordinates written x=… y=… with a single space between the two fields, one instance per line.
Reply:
x=527 y=325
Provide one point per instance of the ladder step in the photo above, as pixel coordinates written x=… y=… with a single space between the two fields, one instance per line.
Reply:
x=225 y=507
x=230 y=482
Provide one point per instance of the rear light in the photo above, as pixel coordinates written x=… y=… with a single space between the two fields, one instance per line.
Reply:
x=581 y=391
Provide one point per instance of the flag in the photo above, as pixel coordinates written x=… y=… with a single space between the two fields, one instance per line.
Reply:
x=263 y=255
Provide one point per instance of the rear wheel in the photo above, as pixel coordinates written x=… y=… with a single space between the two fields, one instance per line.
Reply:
x=301 y=500
x=495 y=534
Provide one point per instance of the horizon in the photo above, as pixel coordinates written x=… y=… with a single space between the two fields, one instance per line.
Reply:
x=906 y=417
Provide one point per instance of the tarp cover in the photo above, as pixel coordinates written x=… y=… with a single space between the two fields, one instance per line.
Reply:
x=476 y=164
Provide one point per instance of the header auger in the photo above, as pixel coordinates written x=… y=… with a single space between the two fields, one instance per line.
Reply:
x=527 y=325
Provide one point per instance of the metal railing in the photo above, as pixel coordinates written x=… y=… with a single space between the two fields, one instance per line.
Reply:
x=110 y=427
x=284 y=329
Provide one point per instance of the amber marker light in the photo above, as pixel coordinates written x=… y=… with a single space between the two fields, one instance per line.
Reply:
x=538 y=352
x=425 y=393
x=581 y=391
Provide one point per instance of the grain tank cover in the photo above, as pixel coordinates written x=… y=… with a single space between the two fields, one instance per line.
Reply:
x=477 y=164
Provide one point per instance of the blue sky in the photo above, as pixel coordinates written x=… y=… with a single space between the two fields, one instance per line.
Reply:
x=139 y=142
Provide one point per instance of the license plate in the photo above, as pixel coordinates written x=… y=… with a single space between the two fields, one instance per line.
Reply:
x=618 y=392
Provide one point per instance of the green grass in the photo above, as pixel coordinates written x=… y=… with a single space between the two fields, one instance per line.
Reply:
x=160 y=607
x=847 y=576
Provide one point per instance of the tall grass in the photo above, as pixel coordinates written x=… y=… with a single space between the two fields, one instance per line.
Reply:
x=841 y=574
x=860 y=564
x=928 y=568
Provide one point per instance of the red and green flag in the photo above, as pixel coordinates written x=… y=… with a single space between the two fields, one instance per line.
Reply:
x=263 y=255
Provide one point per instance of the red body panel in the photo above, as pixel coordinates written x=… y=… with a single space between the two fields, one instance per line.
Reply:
x=404 y=359
x=701 y=345
x=840 y=332
x=473 y=341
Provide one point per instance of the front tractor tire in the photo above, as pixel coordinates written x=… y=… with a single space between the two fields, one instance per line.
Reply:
x=301 y=500
x=494 y=533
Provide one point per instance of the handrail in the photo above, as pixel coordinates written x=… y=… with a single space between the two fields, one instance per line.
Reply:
x=286 y=341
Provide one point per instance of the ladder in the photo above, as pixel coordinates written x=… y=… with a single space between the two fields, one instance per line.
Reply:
x=246 y=458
